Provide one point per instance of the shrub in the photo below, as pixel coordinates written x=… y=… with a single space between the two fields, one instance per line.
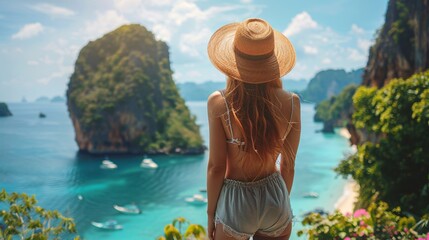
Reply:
x=377 y=222
x=193 y=231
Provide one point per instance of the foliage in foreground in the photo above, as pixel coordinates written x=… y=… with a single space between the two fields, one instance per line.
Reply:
x=193 y=231
x=395 y=165
x=25 y=220
x=377 y=223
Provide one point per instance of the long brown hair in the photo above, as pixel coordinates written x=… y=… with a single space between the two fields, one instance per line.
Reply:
x=257 y=113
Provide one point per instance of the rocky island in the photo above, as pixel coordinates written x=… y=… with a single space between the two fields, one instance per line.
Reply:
x=122 y=98
x=4 y=110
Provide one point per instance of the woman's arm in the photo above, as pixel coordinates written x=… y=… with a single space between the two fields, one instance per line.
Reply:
x=287 y=165
x=217 y=155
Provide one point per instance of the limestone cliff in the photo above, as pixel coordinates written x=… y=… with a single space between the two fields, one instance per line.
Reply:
x=122 y=98
x=400 y=50
x=328 y=83
x=402 y=45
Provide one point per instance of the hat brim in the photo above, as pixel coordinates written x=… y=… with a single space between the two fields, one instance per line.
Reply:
x=222 y=54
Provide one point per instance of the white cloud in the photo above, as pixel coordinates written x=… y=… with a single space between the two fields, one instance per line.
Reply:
x=310 y=50
x=28 y=31
x=299 y=23
x=53 y=10
x=62 y=72
x=326 y=61
x=356 y=55
x=162 y=32
x=32 y=63
x=245 y=1
x=189 y=41
x=127 y=5
x=356 y=29
x=364 y=44
x=105 y=22
x=185 y=10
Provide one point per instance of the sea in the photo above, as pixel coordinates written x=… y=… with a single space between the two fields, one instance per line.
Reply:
x=40 y=156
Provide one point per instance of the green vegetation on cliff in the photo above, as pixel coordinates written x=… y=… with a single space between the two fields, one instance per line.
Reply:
x=328 y=83
x=395 y=168
x=122 y=97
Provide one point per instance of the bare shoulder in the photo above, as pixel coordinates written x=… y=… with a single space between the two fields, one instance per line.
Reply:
x=286 y=97
x=215 y=104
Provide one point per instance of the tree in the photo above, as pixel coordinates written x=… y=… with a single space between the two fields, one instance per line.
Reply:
x=25 y=220
x=396 y=168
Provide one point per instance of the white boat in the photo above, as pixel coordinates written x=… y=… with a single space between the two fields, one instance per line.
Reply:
x=128 y=209
x=197 y=199
x=311 y=195
x=107 y=164
x=148 y=163
x=109 y=225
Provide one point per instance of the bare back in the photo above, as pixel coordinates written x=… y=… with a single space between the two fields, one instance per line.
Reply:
x=254 y=170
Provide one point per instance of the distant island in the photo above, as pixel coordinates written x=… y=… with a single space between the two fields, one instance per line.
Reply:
x=328 y=83
x=122 y=98
x=45 y=99
x=4 y=110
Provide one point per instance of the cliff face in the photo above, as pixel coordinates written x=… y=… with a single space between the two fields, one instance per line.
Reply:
x=401 y=49
x=122 y=98
x=402 y=46
x=4 y=110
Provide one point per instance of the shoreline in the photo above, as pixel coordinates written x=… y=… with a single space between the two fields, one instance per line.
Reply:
x=344 y=132
x=345 y=204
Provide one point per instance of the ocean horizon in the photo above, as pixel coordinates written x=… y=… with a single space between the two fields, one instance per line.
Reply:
x=40 y=156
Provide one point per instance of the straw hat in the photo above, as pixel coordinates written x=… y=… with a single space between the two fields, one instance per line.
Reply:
x=251 y=51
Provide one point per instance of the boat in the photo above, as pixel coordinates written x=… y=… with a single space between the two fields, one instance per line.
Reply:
x=317 y=210
x=311 y=195
x=128 y=209
x=148 y=163
x=108 y=225
x=203 y=190
x=107 y=164
x=197 y=199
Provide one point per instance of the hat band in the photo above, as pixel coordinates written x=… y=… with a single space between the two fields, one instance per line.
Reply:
x=253 y=57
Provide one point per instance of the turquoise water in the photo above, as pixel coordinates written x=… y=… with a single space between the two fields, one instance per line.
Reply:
x=39 y=156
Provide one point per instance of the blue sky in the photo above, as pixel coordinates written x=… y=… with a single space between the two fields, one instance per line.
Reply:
x=40 y=40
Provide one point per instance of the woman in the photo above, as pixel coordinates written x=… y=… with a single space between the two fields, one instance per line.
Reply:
x=251 y=122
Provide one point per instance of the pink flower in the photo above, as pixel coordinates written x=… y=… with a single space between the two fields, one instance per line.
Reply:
x=348 y=214
x=360 y=212
x=362 y=223
x=406 y=230
x=347 y=238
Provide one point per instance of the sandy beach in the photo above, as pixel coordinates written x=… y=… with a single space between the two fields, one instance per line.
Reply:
x=344 y=132
x=345 y=203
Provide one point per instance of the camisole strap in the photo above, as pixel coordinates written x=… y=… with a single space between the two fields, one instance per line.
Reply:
x=290 y=119
x=228 y=121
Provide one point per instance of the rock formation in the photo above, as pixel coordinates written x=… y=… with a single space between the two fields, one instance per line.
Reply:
x=400 y=50
x=4 y=110
x=402 y=45
x=328 y=83
x=122 y=98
